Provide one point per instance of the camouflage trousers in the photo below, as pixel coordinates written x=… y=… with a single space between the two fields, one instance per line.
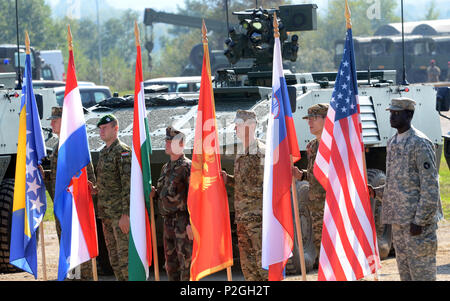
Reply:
x=250 y=247
x=117 y=245
x=316 y=208
x=177 y=247
x=415 y=255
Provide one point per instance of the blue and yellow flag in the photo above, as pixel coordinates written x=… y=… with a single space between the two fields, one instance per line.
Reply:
x=29 y=203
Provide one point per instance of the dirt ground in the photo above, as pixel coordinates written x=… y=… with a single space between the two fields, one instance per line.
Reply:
x=388 y=271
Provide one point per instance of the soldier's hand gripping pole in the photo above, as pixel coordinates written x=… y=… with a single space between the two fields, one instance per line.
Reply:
x=298 y=227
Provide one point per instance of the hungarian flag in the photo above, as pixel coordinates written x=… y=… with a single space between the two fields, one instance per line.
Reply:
x=207 y=197
x=140 y=243
x=281 y=145
x=73 y=202
x=29 y=202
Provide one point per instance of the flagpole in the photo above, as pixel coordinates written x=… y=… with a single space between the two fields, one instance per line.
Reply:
x=154 y=245
x=298 y=227
x=152 y=214
x=41 y=226
x=349 y=26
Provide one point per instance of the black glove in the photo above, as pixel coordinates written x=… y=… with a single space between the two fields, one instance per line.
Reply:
x=415 y=229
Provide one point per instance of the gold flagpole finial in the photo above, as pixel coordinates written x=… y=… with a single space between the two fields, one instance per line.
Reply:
x=69 y=38
x=204 y=31
x=136 y=34
x=276 y=32
x=348 y=21
x=27 y=43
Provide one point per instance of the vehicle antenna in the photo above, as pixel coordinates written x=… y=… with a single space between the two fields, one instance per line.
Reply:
x=404 y=81
x=19 y=76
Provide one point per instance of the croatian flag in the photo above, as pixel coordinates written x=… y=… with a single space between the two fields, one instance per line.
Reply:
x=281 y=140
x=73 y=202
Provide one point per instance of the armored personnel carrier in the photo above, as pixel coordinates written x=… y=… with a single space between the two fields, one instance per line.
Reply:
x=250 y=88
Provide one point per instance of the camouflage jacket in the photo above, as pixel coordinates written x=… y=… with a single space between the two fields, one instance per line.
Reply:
x=411 y=192
x=248 y=182
x=173 y=186
x=113 y=180
x=50 y=175
x=316 y=191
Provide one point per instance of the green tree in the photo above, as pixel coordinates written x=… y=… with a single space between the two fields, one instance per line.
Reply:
x=174 y=55
x=432 y=13
x=33 y=15
x=317 y=47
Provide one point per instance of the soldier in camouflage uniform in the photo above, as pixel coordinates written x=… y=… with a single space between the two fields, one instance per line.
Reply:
x=316 y=195
x=411 y=200
x=50 y=181
x=248 y=194
x=171 y=195
x=50 y=175
x=113 y=188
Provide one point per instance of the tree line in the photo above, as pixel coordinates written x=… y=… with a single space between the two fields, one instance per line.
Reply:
x=117 y=36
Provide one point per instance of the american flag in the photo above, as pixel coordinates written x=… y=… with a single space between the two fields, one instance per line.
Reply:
x=349 y=242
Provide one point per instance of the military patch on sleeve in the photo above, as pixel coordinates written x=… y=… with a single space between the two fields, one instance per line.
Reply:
x=125 y=154
x=426 y=165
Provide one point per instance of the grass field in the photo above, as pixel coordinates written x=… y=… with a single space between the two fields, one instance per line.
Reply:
x=444 y=182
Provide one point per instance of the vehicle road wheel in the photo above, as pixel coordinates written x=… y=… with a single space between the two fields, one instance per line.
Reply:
x=6 y=205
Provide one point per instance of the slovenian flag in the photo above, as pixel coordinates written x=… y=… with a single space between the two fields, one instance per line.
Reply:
x=73 y=202
x=29 y=203
x=281 y=144
x=140 y=244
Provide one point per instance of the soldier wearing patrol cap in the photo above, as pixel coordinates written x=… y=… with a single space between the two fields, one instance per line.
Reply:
x=50 y=181
x=316 y=194
x=247 y=182
x=433 y=72
x=50 y=175
x=411 y=200
x=171 y=196
x=113 y=189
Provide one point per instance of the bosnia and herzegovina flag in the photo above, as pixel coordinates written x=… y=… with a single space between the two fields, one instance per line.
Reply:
x=140 y=243
x=73 y=202
x=29 y=202
x=281 y=144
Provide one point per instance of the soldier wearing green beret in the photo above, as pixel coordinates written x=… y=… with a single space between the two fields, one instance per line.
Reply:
x=316 y=194
x=113 y=189
x=171 y=196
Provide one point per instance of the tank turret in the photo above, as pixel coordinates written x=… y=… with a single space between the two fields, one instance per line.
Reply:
x=254 y=36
